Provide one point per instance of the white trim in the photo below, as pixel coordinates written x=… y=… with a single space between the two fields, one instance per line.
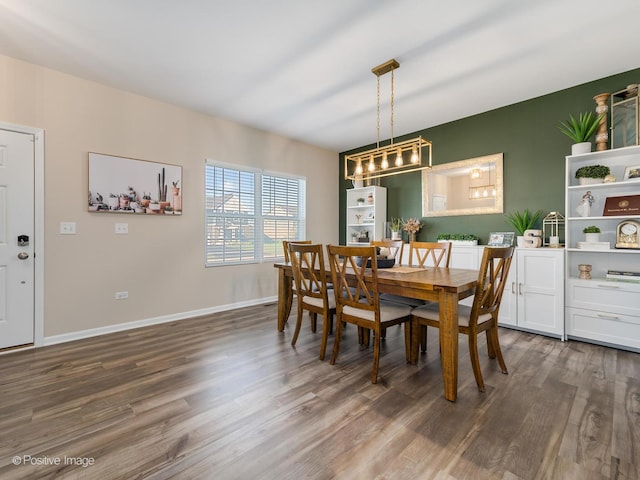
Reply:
x=69 y=337
x=38 y=225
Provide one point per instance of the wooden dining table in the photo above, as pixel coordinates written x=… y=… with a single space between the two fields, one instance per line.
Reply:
x=445 y=285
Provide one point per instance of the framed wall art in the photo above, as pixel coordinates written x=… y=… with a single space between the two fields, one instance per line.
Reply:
x=139 y=187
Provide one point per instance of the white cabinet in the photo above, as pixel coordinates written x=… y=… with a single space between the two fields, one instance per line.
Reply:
x=533 y=298
x=601 y=310
x=366 y=214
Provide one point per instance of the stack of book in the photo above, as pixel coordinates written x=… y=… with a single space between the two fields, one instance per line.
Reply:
x=594 y=245
x=623 y=276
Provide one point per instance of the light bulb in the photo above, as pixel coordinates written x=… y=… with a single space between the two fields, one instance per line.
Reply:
x=384 y=164
x=358 y=170
x=372 y=166
x=399 y=158
x=414 y=155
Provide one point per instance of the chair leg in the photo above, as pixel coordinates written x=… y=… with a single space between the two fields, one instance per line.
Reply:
x=423 y=338
x=407 y=342
x=314 y=321
x=327 y=320
x=336 y=342
x=383 y=333
x=493 y=336
x=475 y=360
x=376 y=356
x=287 y=308
x=298 y=324
x=415 y=339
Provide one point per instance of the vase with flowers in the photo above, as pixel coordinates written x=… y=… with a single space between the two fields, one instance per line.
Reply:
x=412 y=226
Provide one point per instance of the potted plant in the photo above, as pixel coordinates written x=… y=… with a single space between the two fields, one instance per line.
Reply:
x=590 y=174
x=591 y=233
x=458 y=238
x=580 y=130
x=360 y=201
x=396 y=225
x=522 y=221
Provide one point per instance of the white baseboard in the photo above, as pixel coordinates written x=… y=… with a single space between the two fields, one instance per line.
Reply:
x=93 y=332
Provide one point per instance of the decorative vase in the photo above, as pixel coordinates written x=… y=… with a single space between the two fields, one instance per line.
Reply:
x=395 y=235
x=590 y=181
x=412 y=237
x=580 y=148
x=592 y=237
x=585 y=271
x=520 y=241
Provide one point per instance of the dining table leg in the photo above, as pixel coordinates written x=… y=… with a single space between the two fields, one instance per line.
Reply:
x=284 y=298
x=449 y=343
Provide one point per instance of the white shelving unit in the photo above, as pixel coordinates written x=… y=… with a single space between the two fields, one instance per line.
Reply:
x=368 y=216
x=601 y=310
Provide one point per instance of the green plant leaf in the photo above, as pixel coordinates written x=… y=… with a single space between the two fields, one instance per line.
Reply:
x=522 y=221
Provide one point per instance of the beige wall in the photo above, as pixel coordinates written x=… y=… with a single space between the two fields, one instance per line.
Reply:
x=161 y=261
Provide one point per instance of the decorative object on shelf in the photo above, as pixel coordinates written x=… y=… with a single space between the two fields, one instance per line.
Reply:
x=585 y=271
x=623 y=205
x=363 y=236
x=357 y=181
x=532 y=238
x=584 y=208
x=412 y=226
x=591 y=234
x=360 y=201
x=370 y=198
x=624 y=117
x=522 y=221
x=551 y=225
x=500 y=239
x=592 y=174
x=632 y=173
x=580 y=130
x=623 y=275
x=375 y=163
x=396 y=225
x=611 y=178
x=359 y=217
x=458 y=238
x=602 y=108
x=627 y=234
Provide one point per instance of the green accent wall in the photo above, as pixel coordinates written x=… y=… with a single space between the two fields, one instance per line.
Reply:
x=534 y=157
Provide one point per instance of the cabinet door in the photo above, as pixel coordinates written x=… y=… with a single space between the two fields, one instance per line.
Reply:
x=540 y=290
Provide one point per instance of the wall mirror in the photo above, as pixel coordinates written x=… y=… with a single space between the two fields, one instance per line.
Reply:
x=466 y=187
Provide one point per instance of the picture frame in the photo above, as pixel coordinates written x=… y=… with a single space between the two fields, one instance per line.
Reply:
x=632 y=173
x=501 y=239
x=131 y=186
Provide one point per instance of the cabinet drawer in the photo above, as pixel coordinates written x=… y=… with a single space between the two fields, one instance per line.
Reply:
x=615 y=297
x=605 y=327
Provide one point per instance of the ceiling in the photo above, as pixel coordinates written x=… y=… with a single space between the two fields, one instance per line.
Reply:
x=302 y=68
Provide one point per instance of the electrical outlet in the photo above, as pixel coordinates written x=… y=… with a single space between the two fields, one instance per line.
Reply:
x=122 y=295
x=67 y=228
x=122 y=228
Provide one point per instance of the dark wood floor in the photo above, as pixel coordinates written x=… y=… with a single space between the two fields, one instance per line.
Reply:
x=227 y=397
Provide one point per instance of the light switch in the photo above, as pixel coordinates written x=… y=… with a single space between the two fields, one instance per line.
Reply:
x=67 y=228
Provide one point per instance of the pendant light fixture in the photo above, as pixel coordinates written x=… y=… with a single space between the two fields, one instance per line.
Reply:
x=377 y=160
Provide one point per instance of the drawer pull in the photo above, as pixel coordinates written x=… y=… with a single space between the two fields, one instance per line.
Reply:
x=612 y=287
x=610 y=317
x=520 y=288
x=513 y=289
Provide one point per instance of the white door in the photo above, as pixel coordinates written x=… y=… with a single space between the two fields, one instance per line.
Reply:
x=17 y=270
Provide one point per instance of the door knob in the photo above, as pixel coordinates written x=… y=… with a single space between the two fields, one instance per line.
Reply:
x=23 y=255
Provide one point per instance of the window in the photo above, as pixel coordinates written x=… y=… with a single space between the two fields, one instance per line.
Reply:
x=249 y=213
